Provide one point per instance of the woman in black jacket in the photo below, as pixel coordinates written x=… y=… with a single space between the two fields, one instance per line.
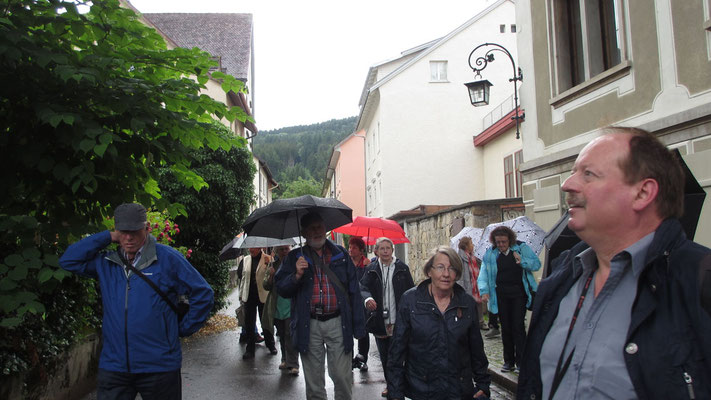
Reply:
x=437 y=351
x=383 y=284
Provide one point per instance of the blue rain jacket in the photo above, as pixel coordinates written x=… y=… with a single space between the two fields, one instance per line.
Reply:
x=140 y=330
x=489 y=268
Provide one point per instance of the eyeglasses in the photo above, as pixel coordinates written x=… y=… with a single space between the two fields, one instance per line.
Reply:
x=440 y=268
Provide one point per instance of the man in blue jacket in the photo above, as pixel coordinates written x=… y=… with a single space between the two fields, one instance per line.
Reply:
x=626 y=313
x=326 y=309
x=141 y=346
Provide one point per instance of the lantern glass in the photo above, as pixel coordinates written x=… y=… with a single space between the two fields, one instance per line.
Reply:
x=479 y=92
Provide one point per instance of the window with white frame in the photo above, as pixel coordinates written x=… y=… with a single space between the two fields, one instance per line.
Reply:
x=438 y=71
x=380 y=190
x=371 y=203
x=513 y=179
x=377 y=138
x=369 y=147
x=588 y=39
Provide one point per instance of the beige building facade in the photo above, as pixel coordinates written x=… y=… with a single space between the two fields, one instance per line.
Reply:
x=636 y=63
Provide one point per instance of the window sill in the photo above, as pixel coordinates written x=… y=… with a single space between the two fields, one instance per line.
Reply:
x=592 y=84
x=445 y=81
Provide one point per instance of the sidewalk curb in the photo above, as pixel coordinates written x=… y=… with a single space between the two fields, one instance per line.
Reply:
x=505 y=380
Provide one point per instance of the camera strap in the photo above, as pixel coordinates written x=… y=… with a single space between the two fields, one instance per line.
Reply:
x=562 y=367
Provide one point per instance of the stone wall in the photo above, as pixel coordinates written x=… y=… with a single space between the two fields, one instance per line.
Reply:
x=428 y=232
x=72 y=376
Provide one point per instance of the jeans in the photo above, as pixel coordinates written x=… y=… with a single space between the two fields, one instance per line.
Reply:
x=152 y=386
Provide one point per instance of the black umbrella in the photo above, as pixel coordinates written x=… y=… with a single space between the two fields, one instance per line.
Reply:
x=230 y=251
x=694 y=196
x=557 y=240
x=280 y=218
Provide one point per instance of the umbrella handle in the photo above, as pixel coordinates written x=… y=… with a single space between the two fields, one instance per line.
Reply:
x=298 y=227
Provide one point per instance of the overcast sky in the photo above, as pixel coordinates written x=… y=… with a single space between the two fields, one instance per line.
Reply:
x=312 y=56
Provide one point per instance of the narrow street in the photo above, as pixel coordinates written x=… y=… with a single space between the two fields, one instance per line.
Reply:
x=213 y=369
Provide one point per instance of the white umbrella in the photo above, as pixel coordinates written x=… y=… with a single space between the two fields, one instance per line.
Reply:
x=473 y=233
x=243 y=241
x=526 y=231
x=249 y=242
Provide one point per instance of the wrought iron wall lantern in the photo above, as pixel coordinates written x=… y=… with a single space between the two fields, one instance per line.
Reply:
x=479 y=90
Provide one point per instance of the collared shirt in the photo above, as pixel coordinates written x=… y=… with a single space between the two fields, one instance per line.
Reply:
x=388 y=291
x=323 y=291
x=597 y=369
x=136 y=259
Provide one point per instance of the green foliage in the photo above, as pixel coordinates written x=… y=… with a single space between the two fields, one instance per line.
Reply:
x=300 y=187
x=92 y=106
x=43 y=308
x=301 y=151
x=216 y=213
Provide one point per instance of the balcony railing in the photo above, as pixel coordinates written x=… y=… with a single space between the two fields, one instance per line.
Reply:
x=497 y=113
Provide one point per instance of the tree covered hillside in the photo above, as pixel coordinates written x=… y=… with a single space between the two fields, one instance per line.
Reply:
x=298 y=155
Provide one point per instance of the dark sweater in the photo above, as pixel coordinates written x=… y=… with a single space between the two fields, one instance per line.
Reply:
x=509 y=278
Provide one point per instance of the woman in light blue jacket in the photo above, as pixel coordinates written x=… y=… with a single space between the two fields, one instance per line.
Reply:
x=506 y=281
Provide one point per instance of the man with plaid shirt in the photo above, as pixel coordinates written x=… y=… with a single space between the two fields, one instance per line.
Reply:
x=326 y=314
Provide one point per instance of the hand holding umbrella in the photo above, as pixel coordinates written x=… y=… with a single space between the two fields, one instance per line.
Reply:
x=301 y=266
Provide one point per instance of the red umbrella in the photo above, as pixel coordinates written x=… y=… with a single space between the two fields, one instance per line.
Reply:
x=370 y=240
x=373 y=228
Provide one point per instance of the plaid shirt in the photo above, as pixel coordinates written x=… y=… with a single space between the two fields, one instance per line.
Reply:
x=323 y=291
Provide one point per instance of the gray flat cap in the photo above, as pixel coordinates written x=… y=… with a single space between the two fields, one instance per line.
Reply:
x=130 y=217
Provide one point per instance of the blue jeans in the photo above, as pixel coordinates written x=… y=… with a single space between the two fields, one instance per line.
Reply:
x=152 y=386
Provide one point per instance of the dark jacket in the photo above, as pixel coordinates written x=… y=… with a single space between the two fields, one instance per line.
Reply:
x=435 y=356
x=140 y=330
x=352 y=314
x=371 y=285
x=669 y=326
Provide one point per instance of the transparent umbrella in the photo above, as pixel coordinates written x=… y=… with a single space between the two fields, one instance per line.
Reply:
x=526 y=230
x=244 y=241
x=473 y=233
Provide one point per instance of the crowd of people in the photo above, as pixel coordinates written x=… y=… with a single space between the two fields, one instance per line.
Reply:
x=624 y=314
x=333 y=294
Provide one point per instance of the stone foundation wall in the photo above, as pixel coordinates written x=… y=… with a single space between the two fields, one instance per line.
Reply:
x=428 y=232
x=72 y=378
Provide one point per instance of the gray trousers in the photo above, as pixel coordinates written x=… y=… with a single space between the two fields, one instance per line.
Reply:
x=327 y=337
x=289 y=355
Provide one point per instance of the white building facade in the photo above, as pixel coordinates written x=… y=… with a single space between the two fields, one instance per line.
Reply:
x=420 y=125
